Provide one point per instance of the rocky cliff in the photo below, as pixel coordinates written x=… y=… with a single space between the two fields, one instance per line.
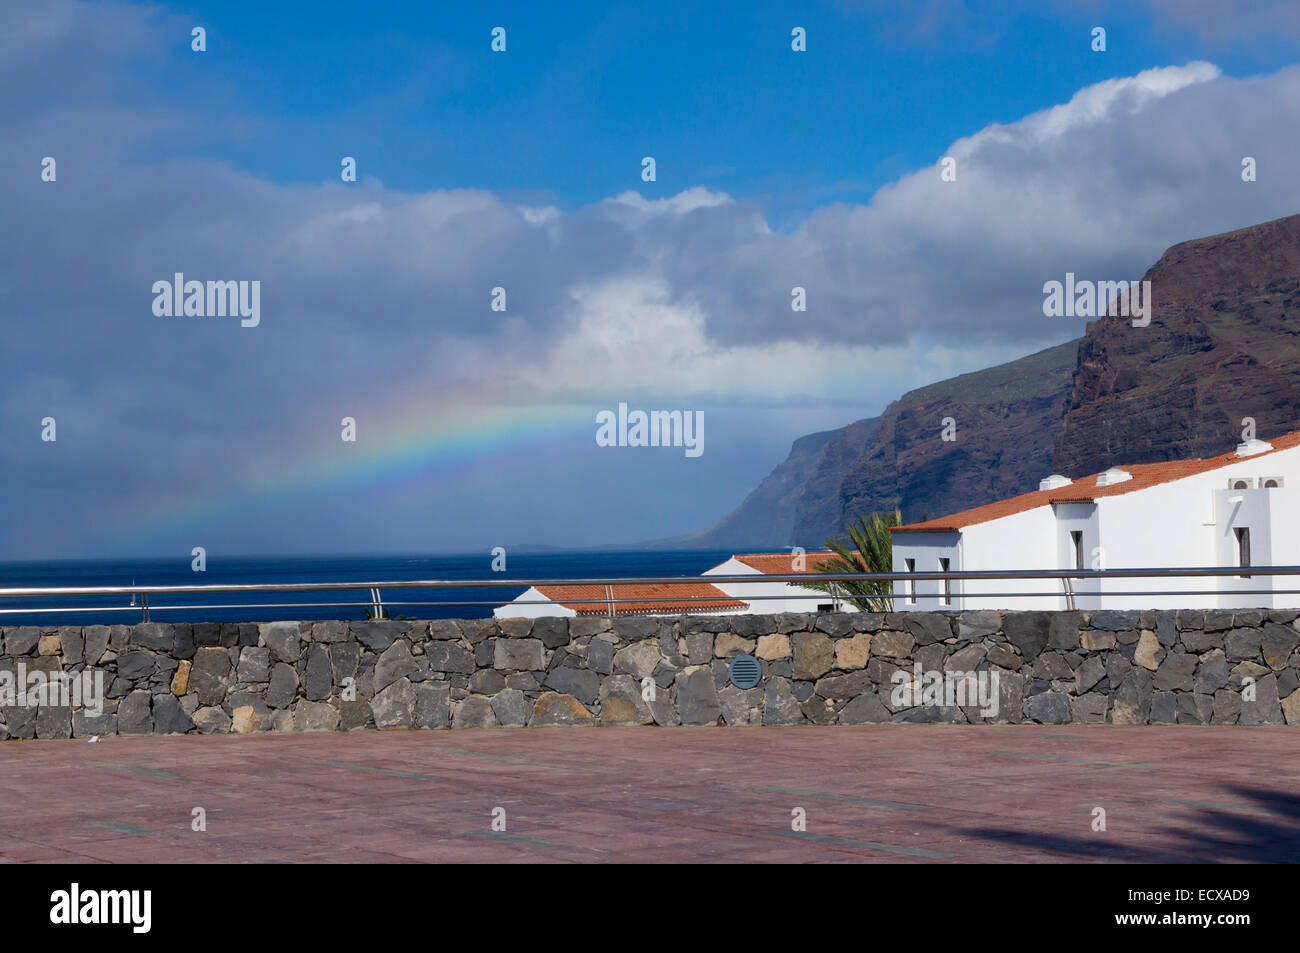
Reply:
x=1223 y=344
x=1006 y=419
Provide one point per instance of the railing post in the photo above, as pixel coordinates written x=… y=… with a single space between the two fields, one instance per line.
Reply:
x=1069 y=592
x=144 y=607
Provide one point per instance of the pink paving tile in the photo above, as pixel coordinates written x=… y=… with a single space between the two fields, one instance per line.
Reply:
x=669 y=796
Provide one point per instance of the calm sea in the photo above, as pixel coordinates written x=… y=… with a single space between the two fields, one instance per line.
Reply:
x=312 y=569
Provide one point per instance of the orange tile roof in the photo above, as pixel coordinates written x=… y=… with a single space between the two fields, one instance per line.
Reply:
x=1085 y=489
x=781 y=563
x=665 y=597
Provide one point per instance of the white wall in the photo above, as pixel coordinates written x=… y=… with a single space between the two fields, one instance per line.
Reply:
x=1183 y=523
x=1189 y=523
x=512 y=610
x=1028 y=540
x=788 y=597
x=926 y=549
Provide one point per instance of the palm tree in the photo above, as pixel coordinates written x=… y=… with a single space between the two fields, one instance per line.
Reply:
x=873 y=552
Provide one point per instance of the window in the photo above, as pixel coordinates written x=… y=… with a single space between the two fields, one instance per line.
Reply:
x=911 y=583
x=1076 y=541
x=947 y=583
x=825 y=607
x=1243 y=548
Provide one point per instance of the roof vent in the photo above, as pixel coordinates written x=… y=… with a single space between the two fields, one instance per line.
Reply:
x=1112 y=476
x=1252 y=447
x=1054 y=482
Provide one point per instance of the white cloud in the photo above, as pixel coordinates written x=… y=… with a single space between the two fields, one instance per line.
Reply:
x=627 y=337
x=370 y=292
x=685 y=201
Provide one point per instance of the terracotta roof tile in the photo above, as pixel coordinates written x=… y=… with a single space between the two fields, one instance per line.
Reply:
x=1085 y=489
x=781 y=563
x=668 y=597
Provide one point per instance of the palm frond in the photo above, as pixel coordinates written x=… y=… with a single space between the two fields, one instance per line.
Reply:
x=872 y=551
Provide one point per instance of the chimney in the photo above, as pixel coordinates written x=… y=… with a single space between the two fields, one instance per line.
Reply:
x=1252 y=447
x=1112 y=476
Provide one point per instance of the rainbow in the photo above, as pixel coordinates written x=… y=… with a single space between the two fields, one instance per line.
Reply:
x=415 y=446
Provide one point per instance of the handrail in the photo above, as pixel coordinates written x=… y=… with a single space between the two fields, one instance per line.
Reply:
x=610 y=598
x=804 y=577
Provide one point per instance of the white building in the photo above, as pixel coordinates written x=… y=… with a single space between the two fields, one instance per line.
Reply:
x=696 y=598
x=765 y=597
x=1239 y=509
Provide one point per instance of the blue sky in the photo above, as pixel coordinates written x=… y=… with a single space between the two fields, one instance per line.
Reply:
x=712 y=90
x=775 y=169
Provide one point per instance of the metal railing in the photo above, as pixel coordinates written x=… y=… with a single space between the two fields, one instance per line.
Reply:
x=611 y=599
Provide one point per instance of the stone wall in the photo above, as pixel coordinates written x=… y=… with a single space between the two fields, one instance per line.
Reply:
x=1126 y=667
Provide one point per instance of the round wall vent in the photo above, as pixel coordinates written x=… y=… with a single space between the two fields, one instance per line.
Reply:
x=745 y=671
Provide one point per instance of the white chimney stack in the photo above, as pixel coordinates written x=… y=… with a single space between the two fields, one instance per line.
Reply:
x=1252 y=447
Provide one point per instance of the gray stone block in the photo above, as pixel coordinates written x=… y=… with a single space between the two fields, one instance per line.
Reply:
x=318 y=679
x=136 y=665
x=1050 y=708
x=1027 y=631
x=600 y=654
x=209 y=676
x=1164 y=708
x=394 y=707
x=377 y=634
x=511 y=707
x=452 y=658
x=210 y=720
x=1175 y=673
x=397 y=662
x=1195 y=709
x=580 y=683
x=780 y=707
x=927 y=628
x=552 y=632
x=866 y=709
x=54 y=721
x=283 y=688
x=155 y=636
x=486 y=681
x=135 y=714
x=314 y=716
x=168 y=716
x=254 y=664
x=521 y=654
x=432 y=705
x=284 y=639
x=697 y=698
x=1265 y=708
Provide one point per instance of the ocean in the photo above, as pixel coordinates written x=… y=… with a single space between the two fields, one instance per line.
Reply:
x=267 y=607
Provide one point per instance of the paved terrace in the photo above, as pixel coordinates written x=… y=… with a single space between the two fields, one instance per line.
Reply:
x=885 y=793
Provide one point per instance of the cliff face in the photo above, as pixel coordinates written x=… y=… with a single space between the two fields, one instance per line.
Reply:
x=1006 y=419
x=767 y=517
x=1006 y=422
x=1223 y=344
